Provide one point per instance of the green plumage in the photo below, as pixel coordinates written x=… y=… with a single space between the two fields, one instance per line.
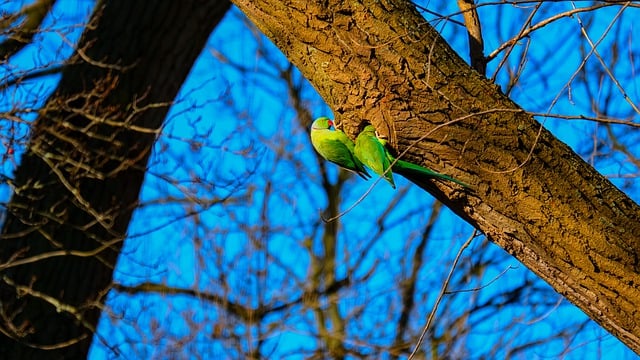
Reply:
x=373 y=153
x=335 y=146
x=406 y=168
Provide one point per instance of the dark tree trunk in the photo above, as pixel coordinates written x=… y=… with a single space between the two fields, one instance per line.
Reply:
x=78 y=183
x=381 y=62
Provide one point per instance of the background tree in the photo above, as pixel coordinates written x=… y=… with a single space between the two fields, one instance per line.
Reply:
x=79 y=178
x=228 y=254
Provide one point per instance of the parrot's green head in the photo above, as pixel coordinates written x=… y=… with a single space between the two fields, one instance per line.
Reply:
x=322 y=123
x=369 y=129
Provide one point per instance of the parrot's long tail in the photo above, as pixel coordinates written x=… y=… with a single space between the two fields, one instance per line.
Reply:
x=406 y=167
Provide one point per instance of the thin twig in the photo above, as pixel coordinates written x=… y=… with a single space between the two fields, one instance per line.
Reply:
x=441 y=294
x=597 y=54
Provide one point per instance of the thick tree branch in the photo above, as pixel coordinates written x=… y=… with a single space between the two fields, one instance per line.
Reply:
x=380 y=62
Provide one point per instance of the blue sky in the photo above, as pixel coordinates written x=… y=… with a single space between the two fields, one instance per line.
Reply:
x=234 y=133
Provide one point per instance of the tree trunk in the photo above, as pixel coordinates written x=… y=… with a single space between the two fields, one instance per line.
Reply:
x=78 y=182
x=381 y=62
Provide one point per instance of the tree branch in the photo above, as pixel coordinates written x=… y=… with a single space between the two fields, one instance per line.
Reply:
x=382 y=63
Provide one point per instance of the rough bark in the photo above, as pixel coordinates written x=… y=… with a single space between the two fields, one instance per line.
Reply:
x=78 y=182
x=379 y=61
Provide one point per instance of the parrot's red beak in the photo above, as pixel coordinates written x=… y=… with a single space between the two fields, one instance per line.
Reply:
x=331 y=124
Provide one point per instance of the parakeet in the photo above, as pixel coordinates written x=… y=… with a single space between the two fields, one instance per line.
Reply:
x=371 y=152
x=368 y=149
x=335 y=146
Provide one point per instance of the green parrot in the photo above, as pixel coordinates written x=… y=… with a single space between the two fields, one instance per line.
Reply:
x=335 y=146
x=373 y=153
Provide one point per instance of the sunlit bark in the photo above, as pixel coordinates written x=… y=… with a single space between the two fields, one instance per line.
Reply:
x=380 y=62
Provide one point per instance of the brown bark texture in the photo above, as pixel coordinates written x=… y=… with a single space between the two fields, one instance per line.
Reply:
x=381 y=62
x=78 y=183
